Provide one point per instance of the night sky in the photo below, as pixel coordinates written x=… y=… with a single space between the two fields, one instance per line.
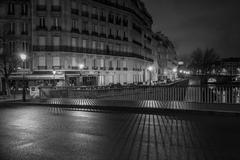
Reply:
x=198 y=23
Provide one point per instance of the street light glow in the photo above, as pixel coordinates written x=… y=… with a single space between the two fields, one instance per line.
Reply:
x=54 y=72
x=23 y=56
x=81 y=66
x=150 y=68
x=174 y=70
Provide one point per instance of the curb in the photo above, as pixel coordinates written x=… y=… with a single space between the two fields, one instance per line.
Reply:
x=138 y=110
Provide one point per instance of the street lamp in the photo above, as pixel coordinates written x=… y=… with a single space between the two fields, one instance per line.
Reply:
x=81 y=66
x=54 y=73
x=23 y=58
x=150 y=69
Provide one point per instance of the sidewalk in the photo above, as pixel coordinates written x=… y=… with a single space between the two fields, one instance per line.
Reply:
x=152 y=107
x=11 y=98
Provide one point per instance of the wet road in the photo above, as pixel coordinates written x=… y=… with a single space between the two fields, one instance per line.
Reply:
x=50 y=133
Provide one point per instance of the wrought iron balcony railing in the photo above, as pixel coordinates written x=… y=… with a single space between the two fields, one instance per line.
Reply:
x=89 y=51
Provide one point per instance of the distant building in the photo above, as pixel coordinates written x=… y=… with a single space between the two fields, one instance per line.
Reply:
x=228 y=66
x=166 y=57
x=111 y=40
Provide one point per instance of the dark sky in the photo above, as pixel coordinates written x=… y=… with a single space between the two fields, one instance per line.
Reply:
x=199 y=23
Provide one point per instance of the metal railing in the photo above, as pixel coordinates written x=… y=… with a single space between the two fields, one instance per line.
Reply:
x=198 y=94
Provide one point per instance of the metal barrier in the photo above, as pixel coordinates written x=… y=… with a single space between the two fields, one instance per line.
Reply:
x=200 y=94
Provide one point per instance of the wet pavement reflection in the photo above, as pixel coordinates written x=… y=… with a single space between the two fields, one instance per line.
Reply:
x=55 y=133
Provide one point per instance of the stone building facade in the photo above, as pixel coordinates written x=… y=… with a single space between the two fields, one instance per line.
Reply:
x=82 y=42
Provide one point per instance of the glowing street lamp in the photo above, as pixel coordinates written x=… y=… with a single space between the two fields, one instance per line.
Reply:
x=54 y=73
x=81 y=66
x=174 y=70
x=150 y=69
x=23 y=58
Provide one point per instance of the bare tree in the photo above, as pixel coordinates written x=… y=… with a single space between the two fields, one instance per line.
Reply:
x=8 y=64
x=203 y=60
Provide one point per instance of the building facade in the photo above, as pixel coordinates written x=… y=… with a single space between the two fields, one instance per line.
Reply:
x=82 y=42
x=166 y=56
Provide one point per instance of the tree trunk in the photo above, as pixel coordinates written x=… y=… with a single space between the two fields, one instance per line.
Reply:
x=7 y=88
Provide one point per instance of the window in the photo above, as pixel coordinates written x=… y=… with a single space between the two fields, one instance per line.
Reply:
x=84 y=43
x=41 y=61
x=56 y=41
x=94 y=11
x=24 y=28
x=103 y=30
x=102 y=45
x=24 y=9
x=95 y=28
x=74 y=42
x=85 y=26
x=41 y=2
x=74 y=4
x=12 y=28
x=74 y=62
x=118 y=63
x=110 y=64
x=102 y=63
x=56 y=3
x=56 y=22
x=94 y=63
x=84 y=8
x=74 y=24
x=11 y=9
x=42 y=22
x=56 y=61
x=42 y=41
x=124 y=64
x=94 y=44
x=25 y=46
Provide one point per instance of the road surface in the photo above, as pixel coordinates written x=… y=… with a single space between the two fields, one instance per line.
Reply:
x=36 y=132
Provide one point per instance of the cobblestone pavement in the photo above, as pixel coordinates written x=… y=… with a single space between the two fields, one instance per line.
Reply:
x=36 y=132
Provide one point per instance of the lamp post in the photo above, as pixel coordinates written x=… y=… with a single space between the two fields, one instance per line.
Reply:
x=23 y=58
x=54 y=73
x=81 y=66
x=150 y=69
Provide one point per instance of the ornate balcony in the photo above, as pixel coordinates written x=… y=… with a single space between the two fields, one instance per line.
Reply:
x=56 y=8
x=88 y=51
x=95 y=68
x=41 y=7
x=75 y=11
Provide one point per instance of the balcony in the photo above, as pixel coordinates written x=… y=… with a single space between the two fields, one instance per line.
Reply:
x=137 y=43
x=56 y=67
x=125 y=23
x=89 y=51
x=125 y=69
x=24 y=33
x=110 y=68
x=94 y=16
x=85 y=68
x=42 y=67
x=56 y=28
x=85 y=32
x=102 y=18
x=95 y=68
x=75 y=30
x=103 y=68
x=125 y=39
x=118 y=38
x=103 y=35
x=111 y=20
x=56 y=8
x=95 y=34
x=74 y=11
x=110 y=36
x=11 y=32
x=75 y=68
x=41 y=28
x=41 y=8
x=118 y=69
x=85 y=14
